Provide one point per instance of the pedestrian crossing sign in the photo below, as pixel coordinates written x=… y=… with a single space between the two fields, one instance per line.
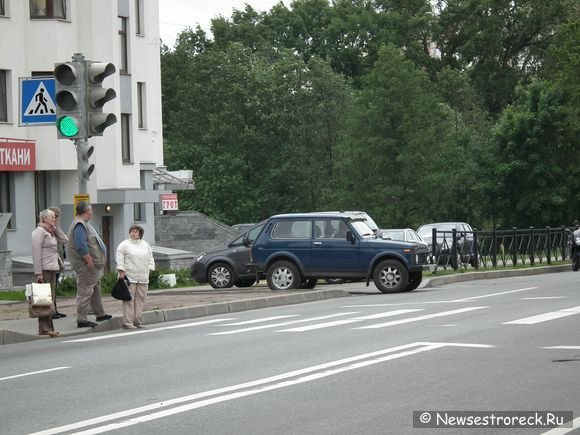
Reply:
x=37 y=101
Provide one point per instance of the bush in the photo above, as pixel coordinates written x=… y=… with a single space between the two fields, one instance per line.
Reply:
x=68 y=285
x=108 y=282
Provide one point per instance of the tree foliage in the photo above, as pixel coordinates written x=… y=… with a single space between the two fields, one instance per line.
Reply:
x=412 y=110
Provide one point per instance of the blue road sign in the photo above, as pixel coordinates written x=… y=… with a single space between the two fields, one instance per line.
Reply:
x=37 y=101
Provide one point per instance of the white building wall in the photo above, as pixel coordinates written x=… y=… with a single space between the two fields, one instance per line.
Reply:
x=91 y=28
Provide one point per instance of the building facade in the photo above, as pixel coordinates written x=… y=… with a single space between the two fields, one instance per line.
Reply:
x=37 y=170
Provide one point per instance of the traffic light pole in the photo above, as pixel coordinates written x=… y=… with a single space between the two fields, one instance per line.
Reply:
x=81 y=145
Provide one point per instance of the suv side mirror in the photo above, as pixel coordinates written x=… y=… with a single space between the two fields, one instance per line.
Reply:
x=247 y=242
x=350 y=236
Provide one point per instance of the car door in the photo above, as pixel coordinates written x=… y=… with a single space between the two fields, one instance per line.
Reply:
x=292 y=237
x=241 y=250
x=332 y=254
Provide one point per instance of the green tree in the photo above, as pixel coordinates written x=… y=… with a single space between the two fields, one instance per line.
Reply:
x=396 y=159
x=538 y=158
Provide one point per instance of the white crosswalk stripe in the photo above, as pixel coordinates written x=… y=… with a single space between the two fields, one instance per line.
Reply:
x=545 y=317
x=347 y=321
x=276 y=325
x=262 y=320
x=419 y=318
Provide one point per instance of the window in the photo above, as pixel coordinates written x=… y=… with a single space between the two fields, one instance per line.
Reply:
x=48 y=9
x=6 y=200
x=138 y=212
x=330 y=229
x=3 y=96
x=126 y=138
x=139 y=17
x=124 y=66
x=41 y=184
x=141 y=105
x=292 y=230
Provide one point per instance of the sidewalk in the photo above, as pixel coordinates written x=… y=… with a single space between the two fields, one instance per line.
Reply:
x=166 y=305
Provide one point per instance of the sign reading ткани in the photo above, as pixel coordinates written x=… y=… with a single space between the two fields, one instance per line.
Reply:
x=17 y=156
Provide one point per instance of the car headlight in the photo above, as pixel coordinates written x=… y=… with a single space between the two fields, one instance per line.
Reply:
x=200 y=256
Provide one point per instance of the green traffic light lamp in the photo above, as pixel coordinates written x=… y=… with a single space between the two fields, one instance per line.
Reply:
x=67 y=126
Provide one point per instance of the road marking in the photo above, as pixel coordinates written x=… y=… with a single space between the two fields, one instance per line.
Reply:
x=562 y=347
x=532 y=320
x=448 y=324
x=276 y=325
x=419 y=318
x=494 y=294
x=395 y=304
x=347 y=321
x=440 y=302
x=544 y=297
x=564 y=430
x=262 y=320
x=283 y=380
x=39 y=372
x=146 y=331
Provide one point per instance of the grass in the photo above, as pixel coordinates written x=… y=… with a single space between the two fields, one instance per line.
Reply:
x=12 y=295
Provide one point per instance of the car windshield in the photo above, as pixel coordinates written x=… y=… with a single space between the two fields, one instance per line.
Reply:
x=362 y=228
x=393 y=235
x=247 y=237
x=363 y=215
x=427 y=230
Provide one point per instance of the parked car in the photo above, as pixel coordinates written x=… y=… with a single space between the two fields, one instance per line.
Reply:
x=225 y=266
x=404 y=234
x=444 y=242
x=293 y=248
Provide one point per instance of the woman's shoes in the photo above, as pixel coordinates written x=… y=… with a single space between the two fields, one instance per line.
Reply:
x=51 y=334
x=58 y=315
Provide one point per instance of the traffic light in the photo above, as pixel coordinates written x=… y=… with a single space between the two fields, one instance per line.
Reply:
x=84 y=153
x=70 y=99
x=97 y=96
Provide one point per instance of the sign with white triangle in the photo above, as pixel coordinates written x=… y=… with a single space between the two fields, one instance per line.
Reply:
x=37 y=101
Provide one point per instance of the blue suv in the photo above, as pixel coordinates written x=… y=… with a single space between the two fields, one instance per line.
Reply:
x=296 y=248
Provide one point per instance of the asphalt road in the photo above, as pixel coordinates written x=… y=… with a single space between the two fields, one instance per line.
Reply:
x=358 y=365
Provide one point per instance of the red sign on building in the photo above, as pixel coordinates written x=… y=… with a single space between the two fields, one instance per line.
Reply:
x=169 y=201
x=17 y=155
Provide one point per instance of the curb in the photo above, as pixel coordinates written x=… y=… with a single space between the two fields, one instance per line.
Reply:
x=184 y=313
x=472 y=276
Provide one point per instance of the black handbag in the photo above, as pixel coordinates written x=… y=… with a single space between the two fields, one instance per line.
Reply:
x=121 y=291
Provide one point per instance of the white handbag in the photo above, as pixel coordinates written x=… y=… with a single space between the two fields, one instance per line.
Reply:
x=39 y=294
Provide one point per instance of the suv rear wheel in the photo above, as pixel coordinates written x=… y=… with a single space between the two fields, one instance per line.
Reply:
x=283 y=275
x=390 y=276
x=220 y=275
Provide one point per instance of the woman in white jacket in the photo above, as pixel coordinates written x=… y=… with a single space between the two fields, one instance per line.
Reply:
x=135 y=261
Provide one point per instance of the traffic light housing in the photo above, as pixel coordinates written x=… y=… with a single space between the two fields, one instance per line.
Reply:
x=97 y=96
x=84 y=153
x=70 y=99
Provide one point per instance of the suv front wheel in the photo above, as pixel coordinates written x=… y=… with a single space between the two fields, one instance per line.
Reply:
x=283 y=275
x=390 y=276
